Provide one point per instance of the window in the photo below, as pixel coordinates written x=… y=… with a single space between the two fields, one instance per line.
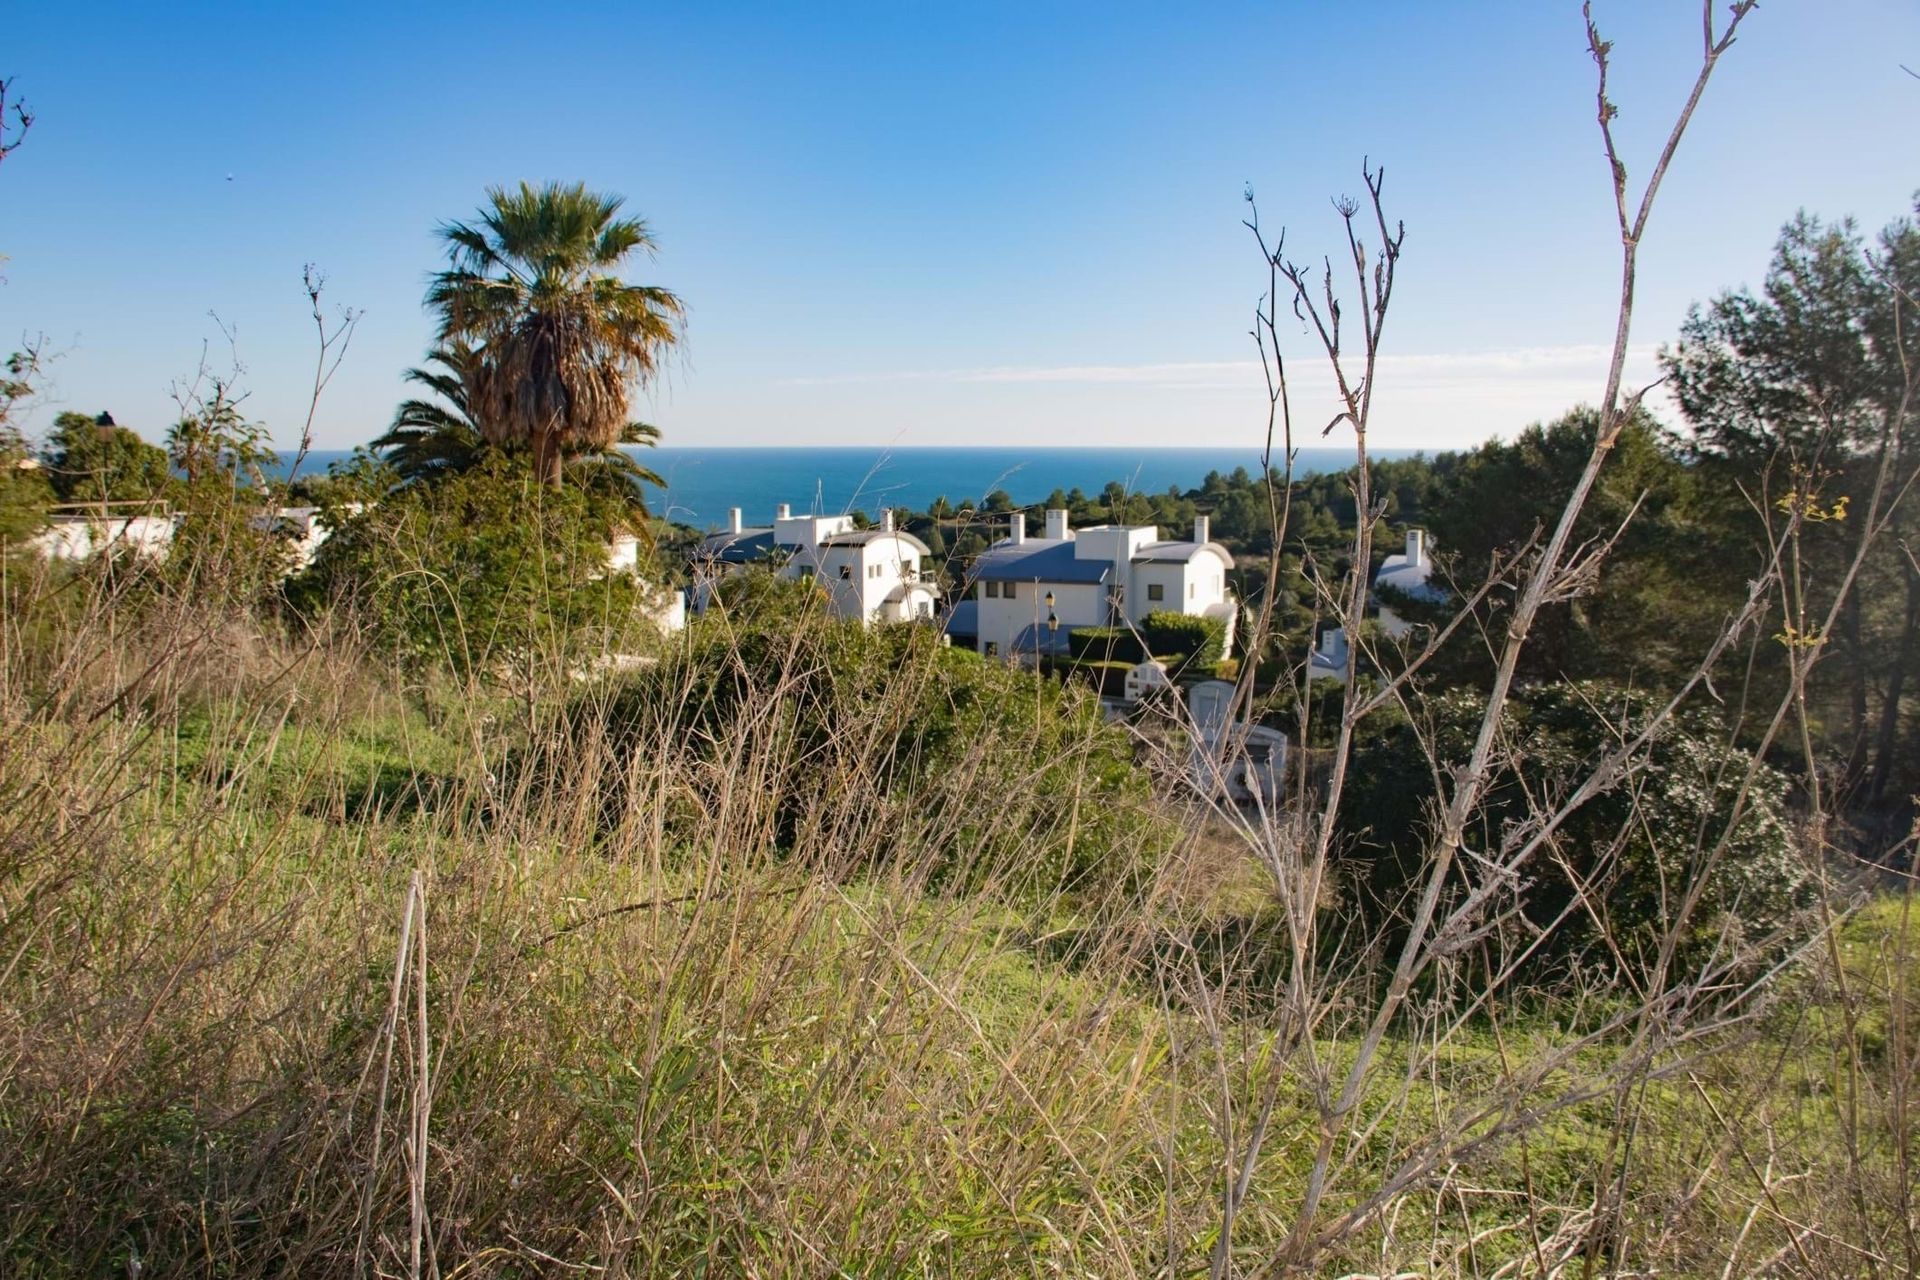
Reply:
x=1193 y=589
x=990 y=590
x=846 y=572
x=1012 y=591
x=1156 y=591
x=993 y=649
x=873 y=571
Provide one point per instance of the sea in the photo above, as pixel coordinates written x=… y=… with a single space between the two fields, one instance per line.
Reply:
x=702 y=483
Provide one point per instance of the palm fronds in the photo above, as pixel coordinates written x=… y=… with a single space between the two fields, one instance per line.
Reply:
x=433 y=438
x=560 y=339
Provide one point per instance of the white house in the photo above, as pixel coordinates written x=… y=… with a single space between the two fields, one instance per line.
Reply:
x=1410 y=574
x=303 y=529
x=82 y=531
x=874 y=575
x=1328 y=661
x=1027 y=594
x=1148 y=679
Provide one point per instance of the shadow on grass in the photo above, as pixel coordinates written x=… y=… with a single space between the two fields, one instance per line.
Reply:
x=387 y=791
x=1241 y=958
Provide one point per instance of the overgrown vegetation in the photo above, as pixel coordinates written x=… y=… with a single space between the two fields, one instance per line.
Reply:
x=434 y=912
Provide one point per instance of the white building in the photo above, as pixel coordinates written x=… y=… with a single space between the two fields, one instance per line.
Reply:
x=302 y=527
x=1410 y=574
x=874 y=575
x=1328 y=661
x=80 y=532
x=1027 y=594
x=1237 y=761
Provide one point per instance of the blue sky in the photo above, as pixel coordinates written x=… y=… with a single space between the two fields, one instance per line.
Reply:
x=923 y=224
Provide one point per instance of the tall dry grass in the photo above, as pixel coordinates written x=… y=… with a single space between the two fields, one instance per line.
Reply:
x=312 y=966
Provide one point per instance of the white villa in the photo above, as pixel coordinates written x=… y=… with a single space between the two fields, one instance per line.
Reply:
x=874 y=575
x=302 y=527
x=1328 y=661
x=1029 y=593
x=82 y=531
x=1409 y=573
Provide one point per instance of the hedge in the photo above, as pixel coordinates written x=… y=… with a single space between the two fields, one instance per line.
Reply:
x=1105 y=644
x=1109 y=679
x=1180 y=640
x=1199 y=639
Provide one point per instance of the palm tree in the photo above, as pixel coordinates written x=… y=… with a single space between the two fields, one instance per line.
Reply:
x=436 y=437
x=560 y=340
x=432 y=438
x=616 y=472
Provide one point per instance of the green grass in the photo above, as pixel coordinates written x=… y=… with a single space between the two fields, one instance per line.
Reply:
x=660 y=1055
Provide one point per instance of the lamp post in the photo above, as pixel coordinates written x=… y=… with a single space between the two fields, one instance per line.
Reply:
x=1053 y=626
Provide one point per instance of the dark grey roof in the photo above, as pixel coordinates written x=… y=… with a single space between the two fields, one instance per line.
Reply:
x=736 y=548
x=860 y=537
x=1179 y=552
x=963 y=619
x=1038 y=560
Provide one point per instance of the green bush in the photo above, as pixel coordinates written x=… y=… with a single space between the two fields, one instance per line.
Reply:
x=1184 y=636
x=1108 y=678
x=478 y=571
x=1636 y=846
x=25 y=493
x=1105 y=644
x=830 y=719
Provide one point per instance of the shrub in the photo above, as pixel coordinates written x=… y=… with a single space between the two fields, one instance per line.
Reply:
x=24 y=492
x=830 y=723
x=1184 y=635
x=1108 y=679
x=1105 y=644
x=1178 y=639
x=478 y=570
x=1619 y=844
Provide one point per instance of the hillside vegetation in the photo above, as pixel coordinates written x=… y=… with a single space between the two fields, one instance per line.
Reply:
x=312 y=960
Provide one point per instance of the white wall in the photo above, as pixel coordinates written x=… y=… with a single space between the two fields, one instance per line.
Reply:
x=81 y=539
x=1076 y=604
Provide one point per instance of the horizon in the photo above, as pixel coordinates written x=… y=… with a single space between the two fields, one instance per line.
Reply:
x=876 y=254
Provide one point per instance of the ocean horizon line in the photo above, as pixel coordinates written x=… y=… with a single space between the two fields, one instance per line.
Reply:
x=705 y=482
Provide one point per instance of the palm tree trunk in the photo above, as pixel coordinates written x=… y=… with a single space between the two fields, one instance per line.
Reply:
x=546 y=458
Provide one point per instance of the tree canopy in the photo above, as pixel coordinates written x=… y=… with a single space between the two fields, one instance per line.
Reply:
x=559 y=339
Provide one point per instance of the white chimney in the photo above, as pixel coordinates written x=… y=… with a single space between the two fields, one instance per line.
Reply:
x=1017 y=528
x=783 y=512
x=886 y=520
x=1416 y=546
x=1056 y=523
x=733 y=519
x=1202 y=530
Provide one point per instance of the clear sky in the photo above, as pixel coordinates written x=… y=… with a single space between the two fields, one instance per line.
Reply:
x=915 y=223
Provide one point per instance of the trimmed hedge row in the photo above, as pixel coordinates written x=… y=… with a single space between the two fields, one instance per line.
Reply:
x=1177 y=639
x=1104 y=644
